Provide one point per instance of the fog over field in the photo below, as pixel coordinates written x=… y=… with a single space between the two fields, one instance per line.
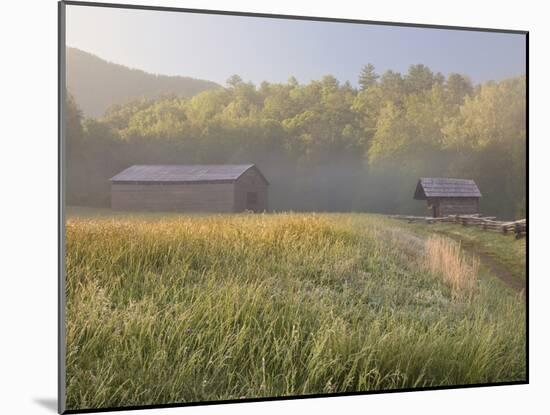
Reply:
x=323 y=146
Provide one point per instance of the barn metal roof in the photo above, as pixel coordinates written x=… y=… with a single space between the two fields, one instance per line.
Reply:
x=444 y=187
x=176 y=173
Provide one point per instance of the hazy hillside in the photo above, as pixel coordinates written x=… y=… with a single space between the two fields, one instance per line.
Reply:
x=96 y=84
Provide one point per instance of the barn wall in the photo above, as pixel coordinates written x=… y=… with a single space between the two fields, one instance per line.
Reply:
x=458 y=205
x=251 y=181
x=189 y=197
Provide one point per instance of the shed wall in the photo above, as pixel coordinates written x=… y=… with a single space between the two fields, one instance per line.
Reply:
x=188 y=197
x=251 y=182
x=455 y=205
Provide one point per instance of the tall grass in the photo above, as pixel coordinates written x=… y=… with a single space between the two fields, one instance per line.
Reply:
x=444 y=257
x=223 y=307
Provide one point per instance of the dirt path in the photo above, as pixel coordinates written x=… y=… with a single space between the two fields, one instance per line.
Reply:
x=498 y=269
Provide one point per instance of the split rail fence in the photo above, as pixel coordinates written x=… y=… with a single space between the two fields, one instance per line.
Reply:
x=519 y=227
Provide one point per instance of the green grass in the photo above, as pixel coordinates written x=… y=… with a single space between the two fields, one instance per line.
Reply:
x=199 y=308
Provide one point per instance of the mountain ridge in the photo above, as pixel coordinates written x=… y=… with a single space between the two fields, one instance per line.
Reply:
x=96 y=83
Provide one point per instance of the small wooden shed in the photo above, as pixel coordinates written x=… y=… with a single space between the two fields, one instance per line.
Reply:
x=190 y=188
x=447 y=196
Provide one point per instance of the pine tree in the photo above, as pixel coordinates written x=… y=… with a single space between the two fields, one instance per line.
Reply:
x=368 y=76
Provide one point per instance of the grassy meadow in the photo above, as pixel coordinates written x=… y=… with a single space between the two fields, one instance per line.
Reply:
x=186 y=308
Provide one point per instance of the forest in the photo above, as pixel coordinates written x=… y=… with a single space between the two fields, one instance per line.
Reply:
x=325 y=145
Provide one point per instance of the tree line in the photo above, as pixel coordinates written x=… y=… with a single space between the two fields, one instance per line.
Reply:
x=324 y=145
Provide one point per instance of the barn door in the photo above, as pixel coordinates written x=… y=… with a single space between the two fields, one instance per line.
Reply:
x=252 y=201
x=437 y=211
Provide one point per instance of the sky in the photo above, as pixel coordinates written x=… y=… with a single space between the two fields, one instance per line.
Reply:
x=214 y=47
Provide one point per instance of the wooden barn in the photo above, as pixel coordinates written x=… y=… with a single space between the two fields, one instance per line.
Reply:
x=448 y=196
x=190 y=188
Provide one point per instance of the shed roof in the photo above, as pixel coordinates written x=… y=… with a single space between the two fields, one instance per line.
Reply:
x=183 y=173
x=445 y=187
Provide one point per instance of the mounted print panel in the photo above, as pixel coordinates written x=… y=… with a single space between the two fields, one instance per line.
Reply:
x=260 y=207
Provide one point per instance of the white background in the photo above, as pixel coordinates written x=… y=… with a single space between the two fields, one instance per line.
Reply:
x=28 y=204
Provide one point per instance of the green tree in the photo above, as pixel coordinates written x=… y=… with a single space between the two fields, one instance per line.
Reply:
x=75 y=151
x=72 y=123
x=419 y=78
x=457 y=88
x=489 y=136
x=234 y=80
x=368 y=76
x=392 y=86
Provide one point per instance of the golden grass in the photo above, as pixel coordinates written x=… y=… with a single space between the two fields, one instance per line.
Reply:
x=444 y=257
